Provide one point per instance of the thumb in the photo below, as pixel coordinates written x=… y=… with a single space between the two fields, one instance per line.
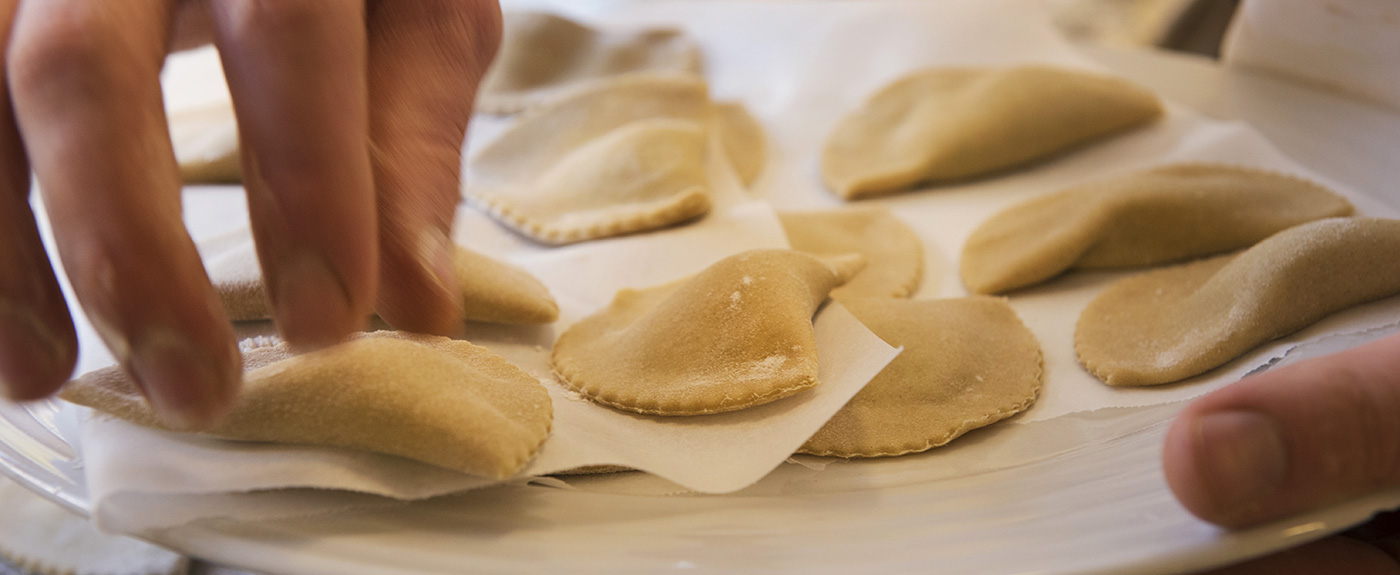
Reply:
x=1292 y=439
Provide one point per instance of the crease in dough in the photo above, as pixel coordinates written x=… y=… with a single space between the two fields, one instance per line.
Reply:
x=205 y=141
x=492 y=291
x=946 y=124
x=893 y=253
x=618 y=157
x=967 y=363
x=543 y=55
x=1166 y=325
x=736 y=335
x=440 y=401
x=1154 y=216
x=742 y=139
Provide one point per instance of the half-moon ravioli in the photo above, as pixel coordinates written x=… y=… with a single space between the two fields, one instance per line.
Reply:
x=544 y=54
x=737 y=334
x=743 y=140
x=954 y=123
x=1144 y=218
x=893 y=254
x=619 y=157
x=967 y=363
x=444 y=402
x=205 y=141
x=1170 y=324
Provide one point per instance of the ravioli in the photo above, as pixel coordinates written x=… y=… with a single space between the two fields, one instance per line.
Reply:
x=1170 y=324
x=492 y=291
x=440 y=401
x=619 y=157
x=543 y=55
x=206 y=144
x=947 y=124
x=743 y=140
x=967 y=363
x=737 y=334
x=1164 y=214
x=893 y=254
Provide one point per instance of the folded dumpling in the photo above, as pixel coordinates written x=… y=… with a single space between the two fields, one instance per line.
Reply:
x=1155 y=216
x=618 y=157
x=1170 y=324
x=893 y=254
x=743 y=140
x=543 y=55
x=440 y=401
x=953 y=123
x=737 y=334
x=967 y=363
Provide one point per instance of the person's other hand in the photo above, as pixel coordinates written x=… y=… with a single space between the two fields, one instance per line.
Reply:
x=1293 y=439
x=351 y=116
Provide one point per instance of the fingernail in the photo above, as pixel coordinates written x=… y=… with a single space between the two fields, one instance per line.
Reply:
x=32 y=359
x=313 y=305
x=436 y=254
x=184 y=384
x=1241 y=458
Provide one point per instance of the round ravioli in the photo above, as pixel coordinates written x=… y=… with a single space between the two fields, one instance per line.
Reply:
x=894 y=256
x=967 y=363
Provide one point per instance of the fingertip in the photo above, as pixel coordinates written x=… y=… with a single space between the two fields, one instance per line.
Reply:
x=1225 y=465
x=419 y=289
x=189 y=388
x=313 y=304
x=34 y=360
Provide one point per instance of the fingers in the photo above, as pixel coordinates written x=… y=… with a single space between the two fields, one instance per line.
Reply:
x=38 y=346
x=1290 y=439
x=426 y=58
x=296 y=70
x=84 y=81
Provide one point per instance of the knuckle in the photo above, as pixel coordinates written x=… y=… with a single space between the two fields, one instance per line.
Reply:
x=288 y=16
x=62 y=50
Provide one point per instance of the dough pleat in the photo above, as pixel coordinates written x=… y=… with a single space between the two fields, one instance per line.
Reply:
x=1155 y=216
x=440 y=401
x=735 y=335
x=542 y=55
x=619 y=157
x=894 y=255
x=1170 y=324
x=954 y=123
x=967 y=363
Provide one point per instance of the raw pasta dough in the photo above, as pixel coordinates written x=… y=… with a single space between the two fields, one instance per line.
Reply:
x=894 y=256
x=206 y=144
x=735 y=335
x=492 y=291
x=1150 y=217
x=1170 y=324
x=967 y=363
x=954 y=123
x=619 y=157
x=742 y=138
x=444 y=402
x=543 y=55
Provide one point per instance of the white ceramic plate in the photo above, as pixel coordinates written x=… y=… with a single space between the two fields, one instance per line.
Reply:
x=1099 y=508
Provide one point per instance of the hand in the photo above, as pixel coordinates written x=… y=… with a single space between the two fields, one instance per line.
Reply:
x=1293 y=439
x=351 y=114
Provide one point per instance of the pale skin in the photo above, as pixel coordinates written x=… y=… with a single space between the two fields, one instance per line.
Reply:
x=352 y=115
